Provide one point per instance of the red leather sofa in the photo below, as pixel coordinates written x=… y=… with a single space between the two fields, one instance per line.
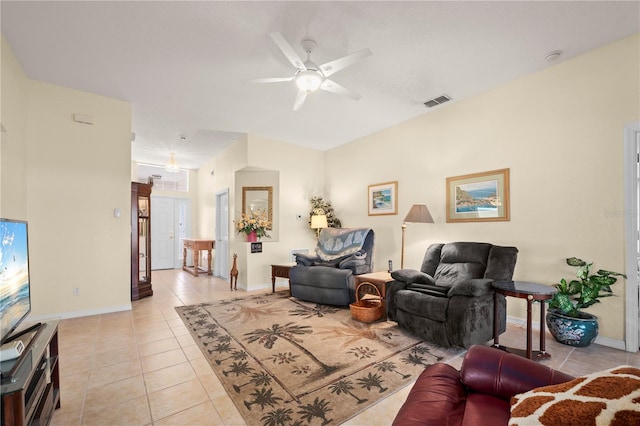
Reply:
x=478 y=394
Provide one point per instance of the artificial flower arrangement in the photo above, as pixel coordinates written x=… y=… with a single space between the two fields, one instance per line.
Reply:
x=257 y=222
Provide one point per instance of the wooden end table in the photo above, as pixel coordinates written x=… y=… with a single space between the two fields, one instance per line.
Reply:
x=282 y=271
x=196 y=246
x=531 y=292
x=380 y=280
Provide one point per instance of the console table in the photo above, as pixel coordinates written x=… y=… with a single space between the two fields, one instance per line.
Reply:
x=196 y=246
x=531 y=292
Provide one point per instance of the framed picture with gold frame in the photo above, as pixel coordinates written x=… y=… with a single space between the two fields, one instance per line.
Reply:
x=257 y=200
x=478 y=197
x=383 y=198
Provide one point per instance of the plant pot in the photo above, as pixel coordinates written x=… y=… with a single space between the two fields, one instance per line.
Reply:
x=252 y=237
x=580 y=332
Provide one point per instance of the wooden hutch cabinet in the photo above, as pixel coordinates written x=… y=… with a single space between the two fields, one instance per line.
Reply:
x=141 y=240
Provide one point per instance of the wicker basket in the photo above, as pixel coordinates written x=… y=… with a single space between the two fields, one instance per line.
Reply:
x=367 y=308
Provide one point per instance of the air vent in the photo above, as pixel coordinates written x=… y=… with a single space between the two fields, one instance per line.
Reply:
x=437 y=101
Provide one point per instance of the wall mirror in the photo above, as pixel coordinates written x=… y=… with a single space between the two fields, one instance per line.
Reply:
x=257 y=199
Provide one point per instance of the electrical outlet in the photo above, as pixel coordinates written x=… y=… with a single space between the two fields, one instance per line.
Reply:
x=76 y=291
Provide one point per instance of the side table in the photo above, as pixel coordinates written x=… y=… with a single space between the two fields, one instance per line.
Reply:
x=531 y=292
x=282 y=271
x=380 y=280
x=196 y=246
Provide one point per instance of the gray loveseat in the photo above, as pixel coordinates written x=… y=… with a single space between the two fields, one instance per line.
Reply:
x=327 y=277
x=450 y=300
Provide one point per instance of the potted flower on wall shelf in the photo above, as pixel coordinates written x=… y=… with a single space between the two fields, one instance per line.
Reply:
x=565 y=319
x=254 y=225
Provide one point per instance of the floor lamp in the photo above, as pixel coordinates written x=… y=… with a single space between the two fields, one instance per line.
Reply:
x=419 y=213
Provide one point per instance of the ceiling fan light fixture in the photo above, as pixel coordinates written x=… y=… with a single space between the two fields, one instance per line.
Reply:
x=308 y=80
x=172 y=166
x=310 y=77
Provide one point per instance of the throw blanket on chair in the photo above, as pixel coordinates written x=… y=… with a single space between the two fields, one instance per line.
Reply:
x=339 y=242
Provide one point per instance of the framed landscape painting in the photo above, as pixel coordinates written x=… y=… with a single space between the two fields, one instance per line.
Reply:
x=383 y=198
x=478 y=197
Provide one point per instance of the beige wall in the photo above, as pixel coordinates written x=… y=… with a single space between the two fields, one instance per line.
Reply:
x=560 y=131
x=77 y=175
x=13 y=150
x=70 y=177
x=301 y=176
x=224 y=166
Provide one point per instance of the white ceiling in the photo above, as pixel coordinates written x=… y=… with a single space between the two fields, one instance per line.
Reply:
x=182 y=64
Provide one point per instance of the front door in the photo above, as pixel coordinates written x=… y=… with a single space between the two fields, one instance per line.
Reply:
x=170 y=224
x=162 y=237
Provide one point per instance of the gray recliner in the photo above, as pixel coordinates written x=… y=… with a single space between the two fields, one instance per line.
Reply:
x=327 y=277
x=450 y=301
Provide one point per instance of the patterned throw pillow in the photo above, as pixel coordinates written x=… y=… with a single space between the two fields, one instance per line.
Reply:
x=610 y=397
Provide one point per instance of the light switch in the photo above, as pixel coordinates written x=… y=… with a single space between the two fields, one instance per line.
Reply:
x=116 y=212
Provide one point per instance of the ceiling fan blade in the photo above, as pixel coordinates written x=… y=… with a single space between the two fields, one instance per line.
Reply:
x=336 y=65
x=288 y=51
x=302 y=95
x=333 y=87
x=269 y=80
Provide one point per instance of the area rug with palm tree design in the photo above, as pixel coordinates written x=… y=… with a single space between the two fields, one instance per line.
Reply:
x=287 y=362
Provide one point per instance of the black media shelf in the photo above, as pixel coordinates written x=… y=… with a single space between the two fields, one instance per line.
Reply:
x=31 y=383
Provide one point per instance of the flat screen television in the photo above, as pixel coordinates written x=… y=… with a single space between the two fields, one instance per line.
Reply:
x=15 y=291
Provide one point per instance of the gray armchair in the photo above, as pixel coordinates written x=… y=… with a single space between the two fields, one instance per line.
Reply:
x=450 y=300
x=327 y=277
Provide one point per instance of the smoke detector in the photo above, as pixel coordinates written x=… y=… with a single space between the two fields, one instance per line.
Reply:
x=553 y=56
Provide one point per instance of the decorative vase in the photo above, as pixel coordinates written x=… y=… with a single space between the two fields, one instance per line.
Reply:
x=252 y=237
x=580 y=332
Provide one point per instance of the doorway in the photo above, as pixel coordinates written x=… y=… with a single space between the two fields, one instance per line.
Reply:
x=170 y=225
x=221 y=262
x=632 y=235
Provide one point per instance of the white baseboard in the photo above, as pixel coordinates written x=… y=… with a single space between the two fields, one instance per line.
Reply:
x=612 y=343
x=522 y=323
x=601 y=340
x=267 y=286
x=76 y=314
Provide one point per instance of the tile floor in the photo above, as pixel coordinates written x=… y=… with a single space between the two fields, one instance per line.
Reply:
x=141 y=367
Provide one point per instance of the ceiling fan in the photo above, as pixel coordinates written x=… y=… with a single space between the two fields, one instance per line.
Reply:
x=310 y=77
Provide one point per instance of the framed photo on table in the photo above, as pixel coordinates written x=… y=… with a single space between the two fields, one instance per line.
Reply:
x=478 y=197
x=383 y=199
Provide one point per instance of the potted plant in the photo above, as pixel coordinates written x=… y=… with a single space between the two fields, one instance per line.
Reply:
x=320 y=206
x=254 y=225
x=565 y=319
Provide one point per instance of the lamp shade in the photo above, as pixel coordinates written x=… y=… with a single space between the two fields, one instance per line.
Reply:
x=419 y=213
x=319 y=221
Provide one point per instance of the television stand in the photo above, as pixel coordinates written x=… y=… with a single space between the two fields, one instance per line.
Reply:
x=30 y=333
x=22 y=332
x=31 y=383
